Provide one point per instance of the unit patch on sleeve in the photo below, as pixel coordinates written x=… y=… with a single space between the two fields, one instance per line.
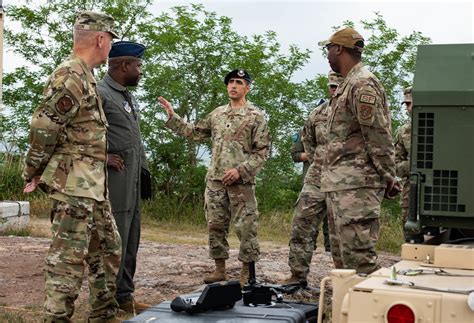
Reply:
x=64 y=104
x=367 y=98
x=365 y=112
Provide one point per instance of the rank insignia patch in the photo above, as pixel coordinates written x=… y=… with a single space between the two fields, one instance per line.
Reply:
x=366 y=98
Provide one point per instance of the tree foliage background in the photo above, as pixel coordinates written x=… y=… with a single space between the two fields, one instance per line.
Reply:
x=189 y=50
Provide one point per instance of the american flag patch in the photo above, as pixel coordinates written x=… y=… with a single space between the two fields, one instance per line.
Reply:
x=366 y=98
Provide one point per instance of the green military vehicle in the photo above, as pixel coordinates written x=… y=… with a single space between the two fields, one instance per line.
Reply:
x=434 y=281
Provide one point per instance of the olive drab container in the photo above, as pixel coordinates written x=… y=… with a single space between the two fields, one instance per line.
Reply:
x=442 y=152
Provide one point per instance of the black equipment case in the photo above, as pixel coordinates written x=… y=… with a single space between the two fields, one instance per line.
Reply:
x=292 y=312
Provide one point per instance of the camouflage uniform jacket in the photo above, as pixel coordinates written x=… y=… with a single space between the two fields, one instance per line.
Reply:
x=68 y=135
x=360 y=150
x=240 y=139
x=402 y=159
x=314 y=140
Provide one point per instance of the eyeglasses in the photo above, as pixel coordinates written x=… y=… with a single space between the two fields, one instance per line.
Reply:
x=328 y=46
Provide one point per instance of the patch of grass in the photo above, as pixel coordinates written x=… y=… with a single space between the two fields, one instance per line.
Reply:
x=23 y=232
x=19 y=315
x=40 y=206
x=11 y=185
x=12 y=318
x=275 y=226
x=169 y=209
x=173 y=231
x=391 y=232
x=40 y=228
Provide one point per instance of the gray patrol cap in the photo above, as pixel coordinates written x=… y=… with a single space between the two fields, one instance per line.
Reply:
x=95 y=21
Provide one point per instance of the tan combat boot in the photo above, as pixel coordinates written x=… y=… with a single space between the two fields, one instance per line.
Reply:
x=133 y=307
x=218 y=274
x=294 y=280
x=244 y=274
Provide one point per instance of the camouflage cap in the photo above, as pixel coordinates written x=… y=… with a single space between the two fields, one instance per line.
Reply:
x=347 y=37
x=407 y=95
x=334 y=78
x=95 y=21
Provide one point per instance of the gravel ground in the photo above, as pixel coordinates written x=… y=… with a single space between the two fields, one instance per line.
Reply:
x=164 y=271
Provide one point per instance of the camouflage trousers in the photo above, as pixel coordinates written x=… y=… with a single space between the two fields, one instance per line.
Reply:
x=84 y=231
x=237 y=204
x=353 y=217
x=404 y=200
x=309 y=212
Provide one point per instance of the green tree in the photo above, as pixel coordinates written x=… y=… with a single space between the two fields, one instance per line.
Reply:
x=189 y=52
x=45 y=40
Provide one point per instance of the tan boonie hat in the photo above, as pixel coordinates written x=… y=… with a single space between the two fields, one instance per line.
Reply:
x=347 y=37
x=334 y=78
x=407 y=95
x=95 y=21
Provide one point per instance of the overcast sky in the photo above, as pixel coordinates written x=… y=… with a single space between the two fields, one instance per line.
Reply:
x=304 y=23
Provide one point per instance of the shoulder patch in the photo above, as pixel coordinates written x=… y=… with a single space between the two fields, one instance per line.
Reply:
x=366 y=112
x=367 y=98
x=64 y=104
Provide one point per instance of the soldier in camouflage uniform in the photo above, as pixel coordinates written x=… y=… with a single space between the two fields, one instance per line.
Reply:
x=402 y=154
x=310 y=208
x=359 y=164
x=240 y=145
x=67 y=159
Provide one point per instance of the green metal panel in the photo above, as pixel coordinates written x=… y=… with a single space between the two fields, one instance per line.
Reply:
x=442 y=149
x=443 y=152
x=444 y=75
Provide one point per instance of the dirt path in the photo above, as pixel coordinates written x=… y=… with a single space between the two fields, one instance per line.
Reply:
x=163 y=272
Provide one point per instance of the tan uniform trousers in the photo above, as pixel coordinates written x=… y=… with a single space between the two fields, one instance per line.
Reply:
x=353 y=217
x=84 y=231
x=237 y=204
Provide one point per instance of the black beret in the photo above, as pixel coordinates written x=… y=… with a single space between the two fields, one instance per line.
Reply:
x=243 y=74
x=126 y=48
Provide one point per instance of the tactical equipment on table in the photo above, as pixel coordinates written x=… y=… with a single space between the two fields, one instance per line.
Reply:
x=214 y=296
